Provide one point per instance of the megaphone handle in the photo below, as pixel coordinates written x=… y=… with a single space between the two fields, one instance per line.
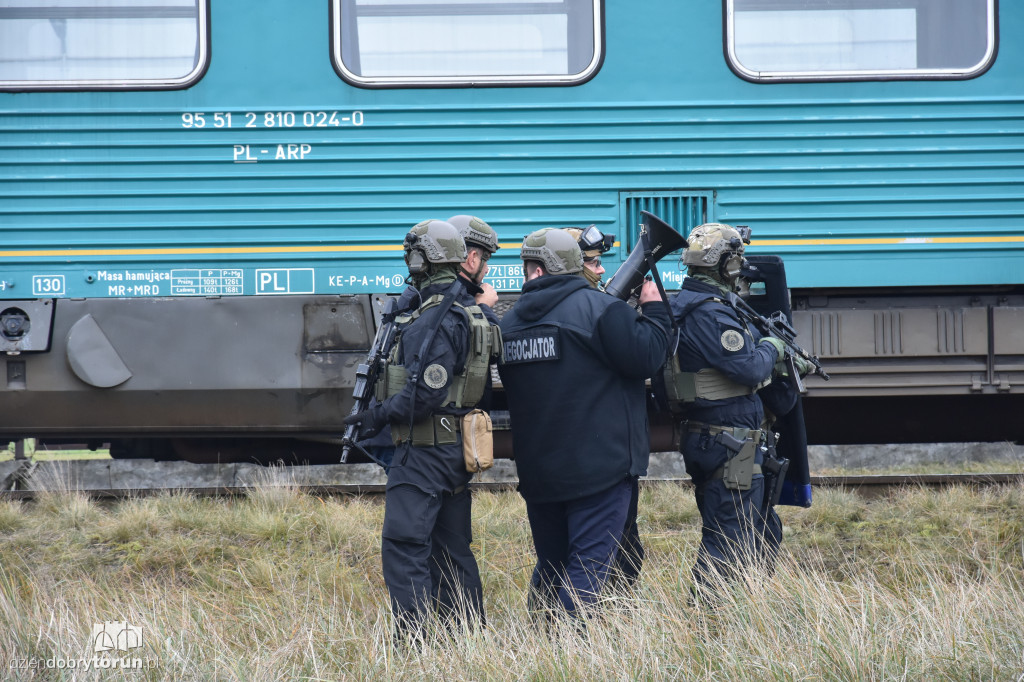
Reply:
x=645 y=236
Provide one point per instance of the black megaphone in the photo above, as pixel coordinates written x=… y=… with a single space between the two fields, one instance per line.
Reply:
x=662 y=240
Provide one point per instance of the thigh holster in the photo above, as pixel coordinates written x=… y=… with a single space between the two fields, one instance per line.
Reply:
x=739 y=469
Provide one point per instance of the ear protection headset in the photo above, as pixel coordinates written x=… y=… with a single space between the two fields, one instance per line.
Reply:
x=414 y=257
x=732 y=263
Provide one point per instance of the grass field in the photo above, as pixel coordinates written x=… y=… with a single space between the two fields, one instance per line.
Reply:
x=281 y=585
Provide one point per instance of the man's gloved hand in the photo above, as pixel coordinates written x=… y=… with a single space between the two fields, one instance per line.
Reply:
x=805 y=367
x=369 y=421
x=780 y=347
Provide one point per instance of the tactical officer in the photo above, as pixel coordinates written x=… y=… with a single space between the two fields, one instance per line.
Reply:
x=573 y=370
x=435 y=374
x=630 y=557
x=481 y=243
x=721 y=364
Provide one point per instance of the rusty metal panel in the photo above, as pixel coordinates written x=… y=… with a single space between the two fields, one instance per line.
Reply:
x=194 y=365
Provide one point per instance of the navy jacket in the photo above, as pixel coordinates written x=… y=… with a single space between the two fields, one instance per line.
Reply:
x=712 y=335
x=442 y=467
x=574 y=369
x=381 y=443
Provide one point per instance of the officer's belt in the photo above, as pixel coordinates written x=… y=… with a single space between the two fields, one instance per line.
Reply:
x=438 y=429
x=739 y=433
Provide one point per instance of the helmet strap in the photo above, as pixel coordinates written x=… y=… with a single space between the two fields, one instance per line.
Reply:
x=473 y=276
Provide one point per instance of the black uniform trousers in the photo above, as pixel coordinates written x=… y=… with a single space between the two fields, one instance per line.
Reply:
x=576 y=543
x=426 y=556
x=734 y=530
x=630 y=558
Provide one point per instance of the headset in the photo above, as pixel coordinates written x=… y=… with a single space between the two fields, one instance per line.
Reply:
x=414 y=257
x=732 y=264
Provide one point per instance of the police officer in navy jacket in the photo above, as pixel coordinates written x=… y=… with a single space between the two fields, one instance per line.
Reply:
x=729 y=367
x=481 y=243
x=427 y=561
x=574 y=368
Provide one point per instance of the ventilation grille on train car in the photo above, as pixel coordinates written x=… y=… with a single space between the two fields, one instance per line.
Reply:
x=682 y=210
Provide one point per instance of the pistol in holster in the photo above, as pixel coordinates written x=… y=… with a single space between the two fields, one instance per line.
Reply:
x=775 y=469
x=738 y=471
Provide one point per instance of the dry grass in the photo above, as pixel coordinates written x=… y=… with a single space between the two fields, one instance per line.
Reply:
x=280 y=585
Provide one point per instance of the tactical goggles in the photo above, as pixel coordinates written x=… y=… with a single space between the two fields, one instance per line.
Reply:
x=592 y=238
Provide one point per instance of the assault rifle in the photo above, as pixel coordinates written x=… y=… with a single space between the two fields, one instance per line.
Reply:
x=366 y=378
x=778 y=326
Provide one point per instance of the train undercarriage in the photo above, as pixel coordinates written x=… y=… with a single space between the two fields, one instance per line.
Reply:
x=269 y=380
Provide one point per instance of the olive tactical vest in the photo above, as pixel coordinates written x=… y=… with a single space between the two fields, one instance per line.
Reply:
x=683 y=388
x=466 y=389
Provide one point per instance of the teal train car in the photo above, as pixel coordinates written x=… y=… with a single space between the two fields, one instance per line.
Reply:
x=202 y=202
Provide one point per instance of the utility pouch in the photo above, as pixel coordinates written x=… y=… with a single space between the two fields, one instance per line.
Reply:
x=477 y=441
x=440 y=429
x=392 y=381
x=738 y=471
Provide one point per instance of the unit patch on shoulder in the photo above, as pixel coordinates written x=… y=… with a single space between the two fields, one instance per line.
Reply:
x=435 y=376
x=732 y=340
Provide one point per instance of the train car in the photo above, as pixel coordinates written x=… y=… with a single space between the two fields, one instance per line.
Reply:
x=202 y=202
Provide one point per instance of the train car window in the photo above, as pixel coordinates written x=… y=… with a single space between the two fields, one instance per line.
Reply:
x=102 y=44
x=382 y=43
x=780 y=40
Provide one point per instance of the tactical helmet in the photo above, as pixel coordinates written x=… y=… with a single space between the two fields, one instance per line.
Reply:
x=592 y=241
x=476 y=232
x=709 y=242
x=437 y=240
x=555 y=249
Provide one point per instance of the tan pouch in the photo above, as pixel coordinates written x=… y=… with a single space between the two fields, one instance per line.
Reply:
x=477 y=441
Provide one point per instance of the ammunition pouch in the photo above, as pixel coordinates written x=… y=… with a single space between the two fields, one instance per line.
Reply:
x=438 y=429
x=468 y=387
x=391 y=379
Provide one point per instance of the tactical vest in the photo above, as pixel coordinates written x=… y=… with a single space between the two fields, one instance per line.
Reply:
x=466 y=389
x=683 y=388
